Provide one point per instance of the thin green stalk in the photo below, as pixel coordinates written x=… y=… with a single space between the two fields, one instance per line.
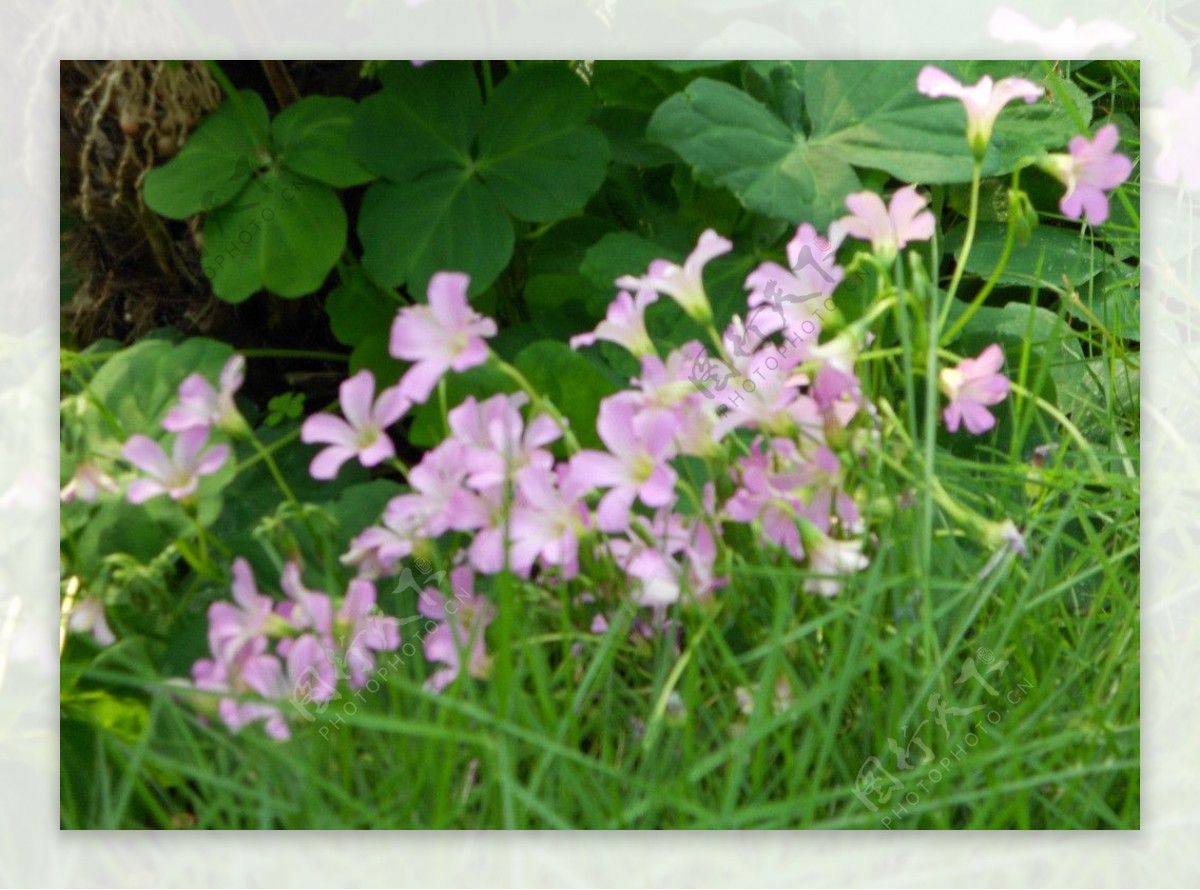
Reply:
x=314 y=354
x=1010 y=239
x=969 y=240
x=274 y=470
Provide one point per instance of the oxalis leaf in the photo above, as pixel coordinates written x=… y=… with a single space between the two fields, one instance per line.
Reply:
x=281 y=233
x=215 y=164
x=867 y=116
x=457 y=174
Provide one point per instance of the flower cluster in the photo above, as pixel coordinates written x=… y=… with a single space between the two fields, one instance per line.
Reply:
x=200 y=409
x=315 y=644
x=774 y=409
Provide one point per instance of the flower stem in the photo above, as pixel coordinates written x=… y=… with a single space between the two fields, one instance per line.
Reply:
x=265 y=454
x=539 y=402
x=1010 y=238
x=969 y=240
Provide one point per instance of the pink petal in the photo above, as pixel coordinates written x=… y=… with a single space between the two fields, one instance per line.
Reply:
x=935 y=83
x=359 y=601
x=188 y=445
x=328 y=461
x=356 y=396
x=245 y=592
x=990 y=360
x=213 y=460
x=419 y=381
x=147 y=455
x=475 y=353
x=976 y=417
x=870 y=221
x=328 y=429
x=233 y=375
x=659 y=489
x=597 y=469
x=613 y=512
x=390 y=406
x=447 y=296
x=141 y=490
x=911 y=224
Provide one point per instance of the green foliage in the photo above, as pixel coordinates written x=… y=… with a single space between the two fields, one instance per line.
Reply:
x=763 y=706
x=460 y=175
x=274 y=220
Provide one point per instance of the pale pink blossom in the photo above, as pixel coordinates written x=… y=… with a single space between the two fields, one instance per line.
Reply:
x=1066 y=41
x=361 y=631
x=889 y=228
x=683 y=284
x=831 y=560
x=88 y=483
x=462 y=623
x=1090 y=170
x=304 y=609
x=200 y=405
x=362 y=433
x=447 y=334
x=239 y=629
x=624 y=324
x=635 y=465
x=548 y=520
x=983 y=101
x=971 y=386
x=177 y=475
x=87 y=616
x=795 y=295
x=217 y=677
x=498 y=443
x=1176 y=128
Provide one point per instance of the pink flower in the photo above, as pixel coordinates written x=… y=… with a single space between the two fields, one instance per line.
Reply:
x=547 y=520
x=259 y=671
x=835 y=376
x=635 y=465
x=376 y=550
x=1067 y=41
x=498 y=443
x=87 y=616
x=1176 y=127
x=305 y=609
x=970 y=386
x=684 y=284
x=202 y=406
x=625 y=324
x=446 y=334
x=88 y=483
x=890 y=228
x=1091 y=168
x=361 y=632
x=462 y=622
x=774 y=403
x=438 y=480
x=794 y=294
x=830 y=559
x=177 y=475
x=306 y=675
x=362 y=433
x=984 y=101
x=236 y=631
